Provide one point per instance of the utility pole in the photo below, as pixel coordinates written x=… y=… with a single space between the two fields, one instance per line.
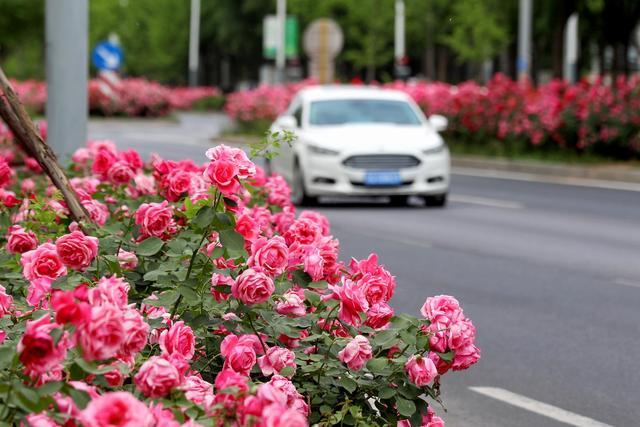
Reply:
x=571 y=49
x=281 y=17
x=523 y=63
x=66 y=49
x=399 y=42
x=194 y=43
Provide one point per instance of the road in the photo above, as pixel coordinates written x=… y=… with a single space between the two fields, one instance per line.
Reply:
x=549 y=273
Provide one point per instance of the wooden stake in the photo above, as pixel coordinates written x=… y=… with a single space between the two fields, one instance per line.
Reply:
x=25 y=132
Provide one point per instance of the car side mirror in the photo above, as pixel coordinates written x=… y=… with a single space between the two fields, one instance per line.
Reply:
x=438 y=123
x=287 y=122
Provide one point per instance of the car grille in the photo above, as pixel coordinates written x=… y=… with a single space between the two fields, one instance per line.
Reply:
x=381 y=161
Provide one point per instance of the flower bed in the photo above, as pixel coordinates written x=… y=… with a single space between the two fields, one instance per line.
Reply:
x=585 y=117
x=198 y=297
x=133 y=97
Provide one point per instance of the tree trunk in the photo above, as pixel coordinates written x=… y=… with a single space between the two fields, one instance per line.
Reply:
x=24 y=131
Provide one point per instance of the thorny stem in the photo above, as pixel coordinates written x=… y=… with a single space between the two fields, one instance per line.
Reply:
x=264 y=347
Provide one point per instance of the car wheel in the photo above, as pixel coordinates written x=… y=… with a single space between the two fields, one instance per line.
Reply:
x=298 y=193
x=398 y=200
x=436 y=200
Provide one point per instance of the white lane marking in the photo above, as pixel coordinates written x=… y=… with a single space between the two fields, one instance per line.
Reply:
x=627 y=282
x=528 y=177
x=540 y=408
x=485 y=201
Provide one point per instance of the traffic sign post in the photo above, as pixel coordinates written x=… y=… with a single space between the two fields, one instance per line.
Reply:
x=323 y=41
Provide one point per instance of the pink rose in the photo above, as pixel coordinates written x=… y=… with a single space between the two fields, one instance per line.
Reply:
x=76 y=250
x=6 y=173
x=177 y=184
x=132 y=157
x=103 y=335
x=356 y=353
x=81 y=156
x=68 y=309
x=28 y=186
x=43 y=261
x=252 y=287
x=318 y=219
x=442 y=309
x=120 y=173
x=6 y=301
x=178 y=339
x=461 y=334
x=97 y=211
x=269 y=255
x=437 y=337
x=157 y=377
x=20 y=240
x=465 y=357
x=119 y=409
x=352 y=302
x=227 y=379
x=303 y=231
x=421 y=370
x=377 y=288
x=221 y=286
x=37 y=350
x=136 y=332
x=291 y=305
x=379 y=315
x=276 y=415
x=102 y=161
x=155 y=219
x=145 y=184
x=231 y=341
x=313 y=262
x=197 y=390
x=127 y=260
x=38 y=291
x=275 y=360
x=224 y=175
x=110 y=290
x=241 y=359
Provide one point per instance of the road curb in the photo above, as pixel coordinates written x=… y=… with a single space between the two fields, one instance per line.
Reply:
x=605 y=172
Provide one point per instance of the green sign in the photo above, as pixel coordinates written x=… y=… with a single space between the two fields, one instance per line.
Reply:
x=270 y=37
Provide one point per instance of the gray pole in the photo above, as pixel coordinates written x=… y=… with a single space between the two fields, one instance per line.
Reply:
x=194 y=43
x=571 y=49
x=523 y=64
x=281 y=15
x=66 y=34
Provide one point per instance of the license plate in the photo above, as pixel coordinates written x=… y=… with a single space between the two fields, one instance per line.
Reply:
x=382 y=178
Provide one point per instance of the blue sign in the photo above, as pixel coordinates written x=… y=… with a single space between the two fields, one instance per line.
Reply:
x=107 y=56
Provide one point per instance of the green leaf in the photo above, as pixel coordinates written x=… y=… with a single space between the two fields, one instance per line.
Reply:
x=80 y=398
x=92 y=367
x=377 y=365
x=149 y=246
x=7 y=352
x=204 y=218
x=233 y=242
x=385 y=337
x=287 y=371
x=27 y=399
x=405 y=407
x=165 y=299
x=313 y=297
x=447 y=357
x=190 y=296
x=49 y=388
x=348 y=384
x=386 y=393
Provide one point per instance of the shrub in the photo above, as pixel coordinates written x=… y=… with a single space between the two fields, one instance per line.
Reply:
x=197 y=297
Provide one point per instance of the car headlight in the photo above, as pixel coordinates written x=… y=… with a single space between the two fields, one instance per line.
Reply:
x=435 y=150
x=322 y=151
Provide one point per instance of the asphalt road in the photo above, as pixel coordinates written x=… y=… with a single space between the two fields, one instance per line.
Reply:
x=549 y=273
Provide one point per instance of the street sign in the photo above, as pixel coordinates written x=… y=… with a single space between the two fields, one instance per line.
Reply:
x=270 y=37
x=323 y=41
x=107 y=56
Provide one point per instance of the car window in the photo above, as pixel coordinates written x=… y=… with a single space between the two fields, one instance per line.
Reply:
x=349 y=111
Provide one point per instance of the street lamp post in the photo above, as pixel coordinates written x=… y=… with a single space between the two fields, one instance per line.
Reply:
x=281 y=16
x=194 y=43
x=523 y=64
x=66 y=49
x=399 y=44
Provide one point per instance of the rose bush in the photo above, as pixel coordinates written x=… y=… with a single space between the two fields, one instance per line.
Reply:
x=130 y=97
x=198 y=297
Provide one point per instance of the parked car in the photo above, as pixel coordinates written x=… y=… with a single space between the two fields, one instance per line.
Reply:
x=354 y=140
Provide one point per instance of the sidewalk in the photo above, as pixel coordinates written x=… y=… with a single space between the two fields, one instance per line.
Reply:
x=614 y=172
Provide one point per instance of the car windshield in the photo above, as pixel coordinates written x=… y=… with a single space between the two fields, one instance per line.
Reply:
x=350 y=111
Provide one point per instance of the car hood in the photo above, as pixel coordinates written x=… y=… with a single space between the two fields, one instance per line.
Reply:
x=377 y=138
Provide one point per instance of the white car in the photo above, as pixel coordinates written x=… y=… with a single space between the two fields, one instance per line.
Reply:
x=354 y=140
